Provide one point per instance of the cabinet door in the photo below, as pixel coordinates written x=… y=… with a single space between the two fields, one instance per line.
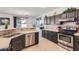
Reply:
x=49 y=35
x=76 y=44
x=52 y=36
x=14 y=44
x=64 y=16
x=36 y=37
x=43 y=33
x=52 y=20
x=17 y=43
x=55 y=39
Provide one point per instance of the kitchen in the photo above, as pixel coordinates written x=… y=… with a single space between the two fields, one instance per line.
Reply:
x=50 y=29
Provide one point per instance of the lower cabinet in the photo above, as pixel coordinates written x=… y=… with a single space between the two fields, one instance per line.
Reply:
x=36 y=37
x=43 y=33
x=20 y=42
x=17 y=43
x=50 y=35
x=76 y=43
x=54 y=37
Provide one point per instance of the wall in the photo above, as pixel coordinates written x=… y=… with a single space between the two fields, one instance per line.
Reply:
x=29 y=22
x=8 y=16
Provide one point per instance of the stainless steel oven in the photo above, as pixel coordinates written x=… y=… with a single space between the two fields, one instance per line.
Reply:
x=65 y=41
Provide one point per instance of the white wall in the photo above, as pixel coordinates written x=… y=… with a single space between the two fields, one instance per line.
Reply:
x=30 y=22
x=8 y=16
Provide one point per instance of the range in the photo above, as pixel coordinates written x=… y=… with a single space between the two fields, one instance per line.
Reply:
x=65 y=39
x=66 y=36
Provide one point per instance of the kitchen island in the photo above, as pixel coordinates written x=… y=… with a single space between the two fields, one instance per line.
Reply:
x=31 y=38
x=13 y=40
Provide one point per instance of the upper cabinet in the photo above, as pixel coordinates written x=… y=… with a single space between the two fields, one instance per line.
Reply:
x=68 y=14
x=46 y=22
x=49 y=20
x=64 y=15
x=52 y=19
x=57 y=17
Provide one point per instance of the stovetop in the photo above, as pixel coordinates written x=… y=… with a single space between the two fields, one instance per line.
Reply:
x=68 y=32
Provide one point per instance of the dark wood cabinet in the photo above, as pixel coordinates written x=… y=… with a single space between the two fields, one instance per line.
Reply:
x=64 y=16
x=17 y=43
x=36 y=37
x=76 y=43
x=43 y=32
x=52 y=19
x=54 y=37
x=50 y=35
x=46 y=20
x=71 y=15
x=57 y=18
x=67 y=15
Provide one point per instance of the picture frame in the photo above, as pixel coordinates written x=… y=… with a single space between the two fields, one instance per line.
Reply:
x=4 y=20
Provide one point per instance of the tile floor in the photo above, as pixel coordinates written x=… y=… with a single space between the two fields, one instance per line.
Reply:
x=45 y=45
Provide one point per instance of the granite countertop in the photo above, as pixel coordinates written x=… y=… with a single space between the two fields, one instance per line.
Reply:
x=27 y=32
x=5 y=41
x=54 y=30
x=6 y=29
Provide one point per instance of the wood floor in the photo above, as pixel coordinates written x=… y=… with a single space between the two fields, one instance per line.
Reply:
x=45 y=45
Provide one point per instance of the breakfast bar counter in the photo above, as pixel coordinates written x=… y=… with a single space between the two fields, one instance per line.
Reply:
x=14 y=39
x=5 y=41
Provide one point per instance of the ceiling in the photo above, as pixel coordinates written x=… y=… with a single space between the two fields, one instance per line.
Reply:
x=23 y=11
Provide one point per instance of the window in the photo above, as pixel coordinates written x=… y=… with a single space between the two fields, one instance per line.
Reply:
x=23 y=23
